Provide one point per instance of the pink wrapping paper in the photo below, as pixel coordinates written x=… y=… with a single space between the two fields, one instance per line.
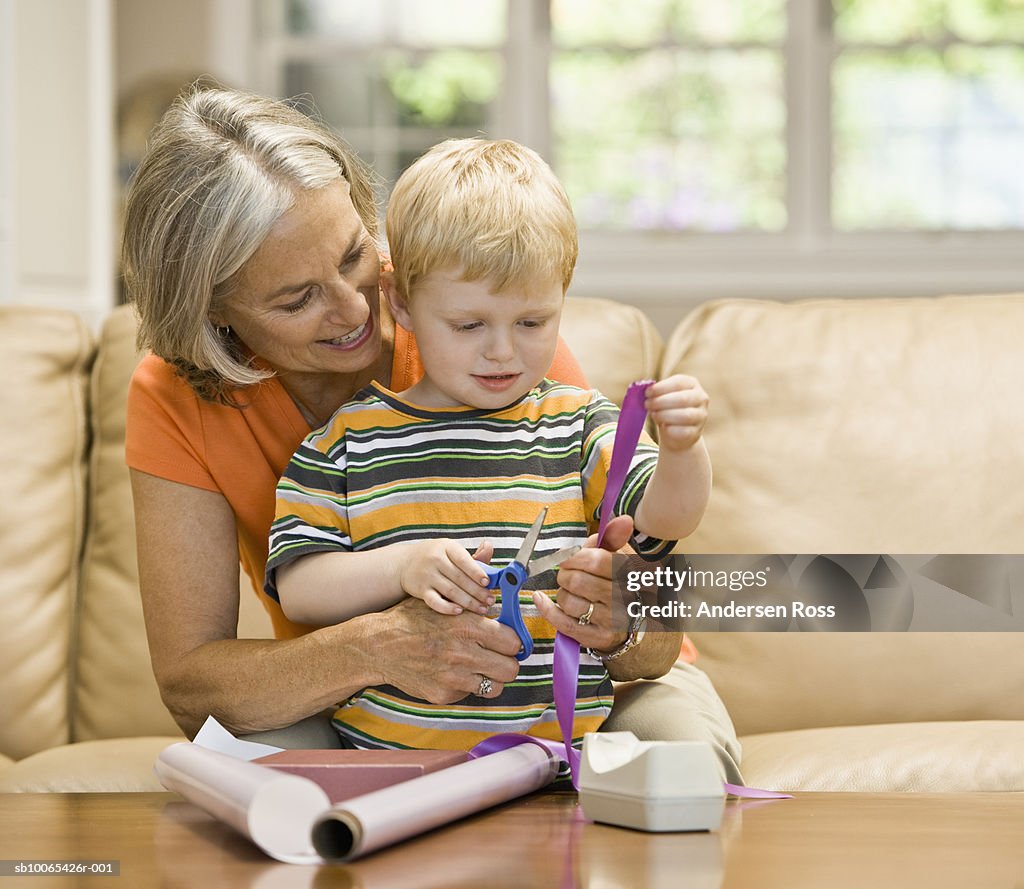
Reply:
x=367 y=823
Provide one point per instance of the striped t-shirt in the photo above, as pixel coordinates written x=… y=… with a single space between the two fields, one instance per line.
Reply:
x=383 y=471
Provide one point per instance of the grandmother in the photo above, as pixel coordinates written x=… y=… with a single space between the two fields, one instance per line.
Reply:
x=250 y=252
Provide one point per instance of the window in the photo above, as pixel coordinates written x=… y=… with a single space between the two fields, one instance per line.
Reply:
x=928 y=114
x=759 y=147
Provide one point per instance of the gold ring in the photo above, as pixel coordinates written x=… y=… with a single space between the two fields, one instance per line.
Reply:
x=585 y=617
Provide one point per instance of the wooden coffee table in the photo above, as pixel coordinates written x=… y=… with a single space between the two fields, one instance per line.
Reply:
x=814 y=840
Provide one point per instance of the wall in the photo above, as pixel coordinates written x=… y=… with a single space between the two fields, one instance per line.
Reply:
x=157 y=40
x=56 y=160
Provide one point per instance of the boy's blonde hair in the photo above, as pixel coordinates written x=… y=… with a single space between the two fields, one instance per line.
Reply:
x=493 y=209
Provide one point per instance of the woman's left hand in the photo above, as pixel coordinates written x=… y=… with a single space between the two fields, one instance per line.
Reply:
x=585 y=588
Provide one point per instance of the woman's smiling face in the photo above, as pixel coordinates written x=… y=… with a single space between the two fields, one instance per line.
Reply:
x=308 y=300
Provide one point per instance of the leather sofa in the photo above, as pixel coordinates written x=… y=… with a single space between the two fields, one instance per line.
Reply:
x=837 y=426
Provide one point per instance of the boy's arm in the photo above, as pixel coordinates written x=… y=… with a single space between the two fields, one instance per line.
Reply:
x=328 y=588
x=678 y=492
x=331 y=587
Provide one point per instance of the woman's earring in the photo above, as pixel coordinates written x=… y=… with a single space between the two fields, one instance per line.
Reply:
x=223 y=332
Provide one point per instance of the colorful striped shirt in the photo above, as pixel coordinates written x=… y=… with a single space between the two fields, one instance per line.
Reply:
x=383 y=471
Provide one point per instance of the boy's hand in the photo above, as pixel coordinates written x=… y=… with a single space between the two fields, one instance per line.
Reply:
x=678 y=405
x=446 y=577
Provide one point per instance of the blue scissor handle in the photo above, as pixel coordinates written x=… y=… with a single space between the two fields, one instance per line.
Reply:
x=510 y=579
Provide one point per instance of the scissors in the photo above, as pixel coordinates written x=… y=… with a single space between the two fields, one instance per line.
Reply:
x=511 y=577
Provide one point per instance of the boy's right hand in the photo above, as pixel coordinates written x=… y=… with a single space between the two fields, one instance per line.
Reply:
x=446 y=577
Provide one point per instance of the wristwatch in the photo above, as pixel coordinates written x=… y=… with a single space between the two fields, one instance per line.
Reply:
x=637 y=628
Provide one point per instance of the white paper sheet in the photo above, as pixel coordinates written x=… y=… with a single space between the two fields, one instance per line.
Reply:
x=213 y=736
x=274 y=809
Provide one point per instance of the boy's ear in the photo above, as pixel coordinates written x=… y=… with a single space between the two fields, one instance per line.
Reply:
x=396 y=302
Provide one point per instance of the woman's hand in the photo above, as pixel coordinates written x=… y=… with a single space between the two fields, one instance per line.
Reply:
x=443 y=658
x=585 y=588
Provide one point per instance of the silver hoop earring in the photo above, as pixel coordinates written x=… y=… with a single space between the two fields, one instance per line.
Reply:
x=223 y=332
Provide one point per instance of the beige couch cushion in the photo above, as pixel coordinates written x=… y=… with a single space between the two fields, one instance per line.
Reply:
x=116 y=693
x=946 y=757
x=778 y=681
x=117 y=765
x=44 y=357
x=877 y=426
x=867 y=426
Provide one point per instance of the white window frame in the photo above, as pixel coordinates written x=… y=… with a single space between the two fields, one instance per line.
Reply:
x=665 y=271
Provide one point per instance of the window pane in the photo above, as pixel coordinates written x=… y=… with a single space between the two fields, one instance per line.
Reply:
x=730 y=20
x=671 y=139
x=445 y=89
x=644 y=22
x=392 y=106
x=451 y=22
x=928 y=139
x=891 y=21
x=348 y=90
x=355 y=23
x=395 y=89
x=409 y=22
x=987 y=19
x=615 y=22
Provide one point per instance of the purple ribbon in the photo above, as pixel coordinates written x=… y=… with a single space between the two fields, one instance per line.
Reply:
x=754 y=793
x=566 y=664
x=631 y=423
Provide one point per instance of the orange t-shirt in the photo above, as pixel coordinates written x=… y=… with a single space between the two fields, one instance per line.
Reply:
x=175 y=435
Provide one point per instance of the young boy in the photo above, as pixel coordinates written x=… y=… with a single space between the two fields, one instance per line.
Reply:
x=395 y=493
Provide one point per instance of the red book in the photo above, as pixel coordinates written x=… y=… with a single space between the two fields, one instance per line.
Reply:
x=344 y=774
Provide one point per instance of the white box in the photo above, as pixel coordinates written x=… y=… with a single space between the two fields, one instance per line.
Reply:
x=650 y=785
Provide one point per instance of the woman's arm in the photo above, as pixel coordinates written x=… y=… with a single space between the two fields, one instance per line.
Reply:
x=188 y=576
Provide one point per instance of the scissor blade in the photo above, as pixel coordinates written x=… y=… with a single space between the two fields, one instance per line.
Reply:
x=546 y=563
x=532 y=536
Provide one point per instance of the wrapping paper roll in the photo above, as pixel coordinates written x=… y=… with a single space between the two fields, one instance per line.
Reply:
x=369 y=822
x=273 y=809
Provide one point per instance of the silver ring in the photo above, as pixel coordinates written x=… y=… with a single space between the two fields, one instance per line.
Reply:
x=485 y=687
x=585 y=617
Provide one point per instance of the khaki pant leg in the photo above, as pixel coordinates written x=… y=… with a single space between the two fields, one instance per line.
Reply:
x=681 y=706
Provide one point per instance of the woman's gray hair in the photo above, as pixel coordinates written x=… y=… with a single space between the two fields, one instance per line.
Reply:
x=220 y=170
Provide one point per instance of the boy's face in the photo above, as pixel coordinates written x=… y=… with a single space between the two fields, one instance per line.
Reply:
x=479 y=348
